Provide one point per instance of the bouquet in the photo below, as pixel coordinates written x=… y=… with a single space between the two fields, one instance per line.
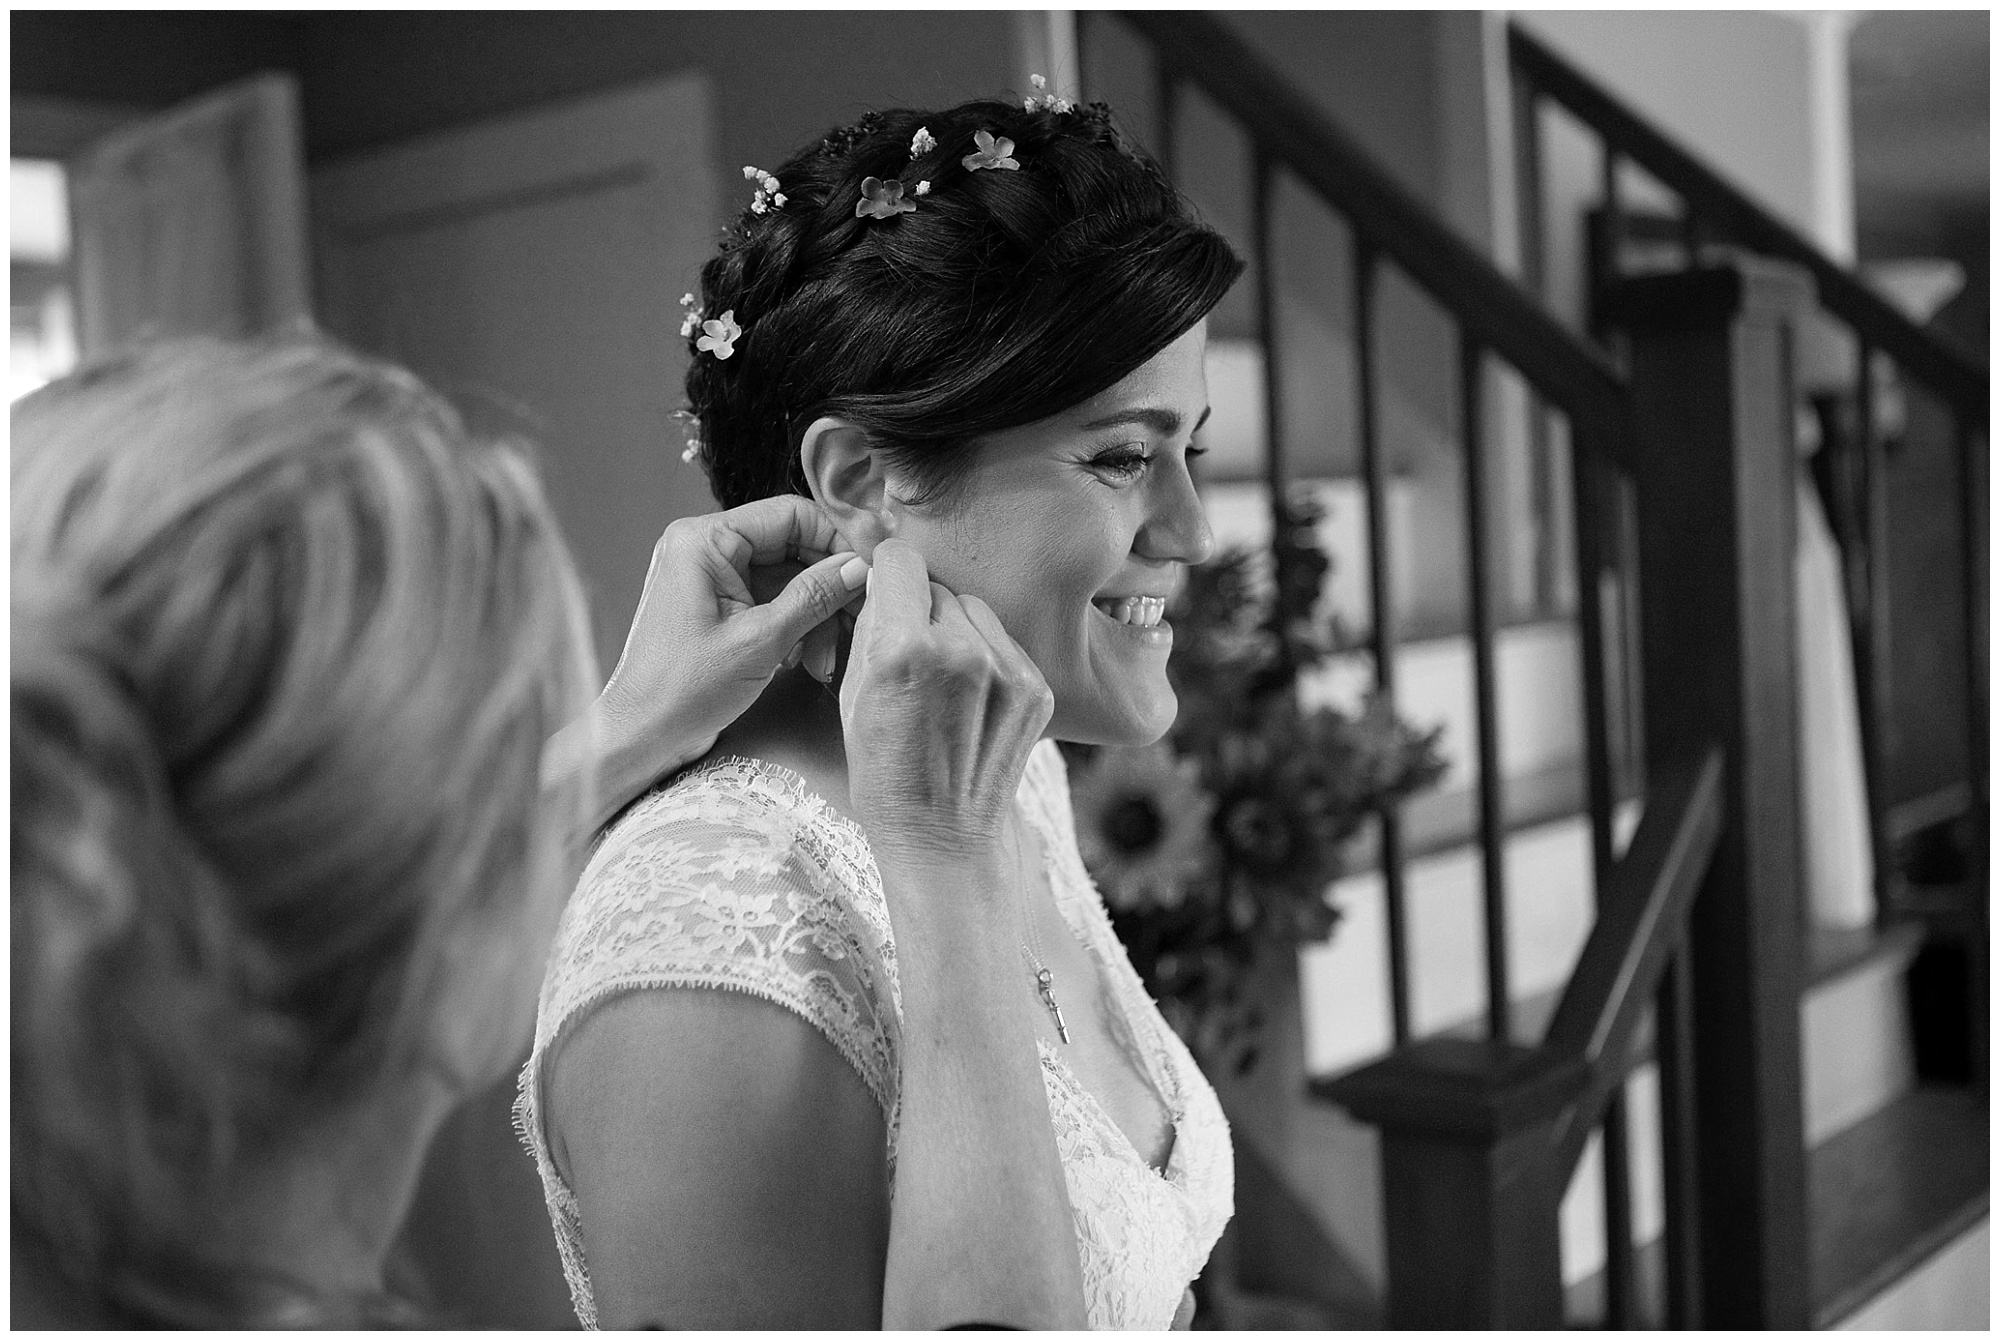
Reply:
x=1223 y=838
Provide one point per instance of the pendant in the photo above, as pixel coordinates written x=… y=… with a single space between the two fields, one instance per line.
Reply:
x=1046 y=982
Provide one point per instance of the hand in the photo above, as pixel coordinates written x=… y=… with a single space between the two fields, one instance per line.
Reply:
x=704 y=644
x=939 y=708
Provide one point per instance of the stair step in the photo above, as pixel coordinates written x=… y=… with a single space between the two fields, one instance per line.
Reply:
x=1889 y=1194
x=1893 y=1189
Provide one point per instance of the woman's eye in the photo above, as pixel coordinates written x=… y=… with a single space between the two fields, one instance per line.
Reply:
x=1122 y=462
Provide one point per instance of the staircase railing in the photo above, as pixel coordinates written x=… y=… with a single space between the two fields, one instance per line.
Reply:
x=1714 y=212
x=1480 y=1139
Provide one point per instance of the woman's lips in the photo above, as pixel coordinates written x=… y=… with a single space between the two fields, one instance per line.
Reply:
x=1144 y=612
x=1125 y=615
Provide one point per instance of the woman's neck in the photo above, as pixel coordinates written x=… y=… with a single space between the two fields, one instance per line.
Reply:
x=795 y=723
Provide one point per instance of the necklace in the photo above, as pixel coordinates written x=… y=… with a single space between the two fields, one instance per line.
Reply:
x=1045 y=981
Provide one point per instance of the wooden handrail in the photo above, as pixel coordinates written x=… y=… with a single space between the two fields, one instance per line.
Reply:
x=1727 y=214
x=1641 y=921
x=1290 y=130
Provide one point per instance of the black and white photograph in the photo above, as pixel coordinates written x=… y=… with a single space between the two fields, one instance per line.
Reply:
x=928 y=669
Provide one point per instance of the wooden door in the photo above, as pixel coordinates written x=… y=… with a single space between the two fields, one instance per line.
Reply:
x=531 y=269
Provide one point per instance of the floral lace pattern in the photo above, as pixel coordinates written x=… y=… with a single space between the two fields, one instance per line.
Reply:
x=736 y=877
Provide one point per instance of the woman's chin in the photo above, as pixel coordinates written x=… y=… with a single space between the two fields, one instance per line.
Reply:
x=1130 y=724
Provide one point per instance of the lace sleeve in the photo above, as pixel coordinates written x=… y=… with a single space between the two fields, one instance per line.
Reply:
x=737 y=880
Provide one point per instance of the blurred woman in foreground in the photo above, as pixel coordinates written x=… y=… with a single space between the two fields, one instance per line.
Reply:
x=288 y=847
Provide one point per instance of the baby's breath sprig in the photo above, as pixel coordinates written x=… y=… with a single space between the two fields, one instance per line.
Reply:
x=768 y=196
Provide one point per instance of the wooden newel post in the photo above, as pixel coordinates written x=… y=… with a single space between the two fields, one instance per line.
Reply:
x=1470 y=1187
x=1714 y=464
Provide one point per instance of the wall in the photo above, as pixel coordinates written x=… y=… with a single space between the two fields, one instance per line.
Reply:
x=1759 y=96
x=147 y=58
x=781 y=79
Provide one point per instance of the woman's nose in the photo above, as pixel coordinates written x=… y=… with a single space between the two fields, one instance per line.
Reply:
x=1177 y=528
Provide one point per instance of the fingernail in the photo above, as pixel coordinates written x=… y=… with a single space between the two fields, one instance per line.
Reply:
x=854 y=572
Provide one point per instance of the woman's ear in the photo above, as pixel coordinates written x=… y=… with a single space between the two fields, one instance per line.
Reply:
x=846 y=479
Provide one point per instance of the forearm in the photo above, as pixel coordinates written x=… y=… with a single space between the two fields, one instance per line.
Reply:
x=621 y=763
x=981 y=1229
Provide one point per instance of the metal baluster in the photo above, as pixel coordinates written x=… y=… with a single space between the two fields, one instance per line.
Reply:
x=1673 y=1034
x=1971 y=491
x=1614 y=213
x=1528 y=185
x=1871 y=461
x=1263 y=183
x=1541 y=446
x=1597 y=503
x=1381 y=623
x=1492 y=830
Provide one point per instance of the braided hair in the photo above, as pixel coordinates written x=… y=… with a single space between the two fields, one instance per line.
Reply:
x=1005 y=297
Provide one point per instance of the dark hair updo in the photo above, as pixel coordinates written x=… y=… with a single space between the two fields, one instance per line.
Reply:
x=1006 y=296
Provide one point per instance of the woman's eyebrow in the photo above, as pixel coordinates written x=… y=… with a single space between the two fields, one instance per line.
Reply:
x=1163 y=421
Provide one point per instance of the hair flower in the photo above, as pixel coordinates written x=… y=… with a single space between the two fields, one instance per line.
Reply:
x=1048 y=101
x=924 y=187
x=719 y=337
x=768 y=196
x=993 y=152
x=690 y=319
x=882 y=200
x=922 y=142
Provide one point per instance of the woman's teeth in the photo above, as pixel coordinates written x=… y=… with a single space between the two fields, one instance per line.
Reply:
x=1145 y=611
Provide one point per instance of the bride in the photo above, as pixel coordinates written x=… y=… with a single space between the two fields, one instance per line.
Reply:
x=975 y=336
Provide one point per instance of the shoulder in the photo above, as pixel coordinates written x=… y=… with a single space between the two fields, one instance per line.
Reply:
x=699 y=1128
x=734 y=877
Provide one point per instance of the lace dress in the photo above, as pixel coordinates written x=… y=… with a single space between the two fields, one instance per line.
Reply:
x=737 y=877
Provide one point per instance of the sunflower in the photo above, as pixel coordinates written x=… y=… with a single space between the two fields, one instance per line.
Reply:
x=1142 y=824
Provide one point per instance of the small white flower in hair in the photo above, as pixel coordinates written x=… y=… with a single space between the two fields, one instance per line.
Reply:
x=882 y=200
x=993 y=152
x=923 y=188
x=1038 y=81
x=922 y=142
x=719 y=337
x=768 y=197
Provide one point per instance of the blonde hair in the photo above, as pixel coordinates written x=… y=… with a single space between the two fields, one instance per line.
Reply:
x=287 y=644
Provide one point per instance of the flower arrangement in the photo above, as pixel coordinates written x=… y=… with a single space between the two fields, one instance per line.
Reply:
x=1222 y=839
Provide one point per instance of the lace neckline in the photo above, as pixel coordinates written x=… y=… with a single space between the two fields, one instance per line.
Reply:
x=851 y=846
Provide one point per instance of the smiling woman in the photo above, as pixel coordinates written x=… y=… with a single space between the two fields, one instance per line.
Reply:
x=1001 y=376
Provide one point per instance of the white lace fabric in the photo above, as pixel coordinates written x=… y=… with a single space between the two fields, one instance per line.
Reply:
x=736 y=877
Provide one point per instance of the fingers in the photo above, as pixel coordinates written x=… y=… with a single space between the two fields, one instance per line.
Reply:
x=804 y=608
x=787 y=527
x=899 y=593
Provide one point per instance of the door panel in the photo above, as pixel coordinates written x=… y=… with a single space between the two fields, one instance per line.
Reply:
x=192 y=222
x=531 y=268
